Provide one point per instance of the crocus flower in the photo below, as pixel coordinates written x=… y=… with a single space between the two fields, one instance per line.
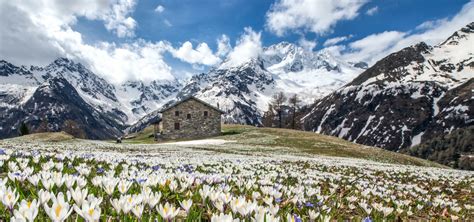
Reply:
x=186 y=205
x=28 y=210
x=60 y=210
x=89 y=211
x=167 y=211
x=10 y=197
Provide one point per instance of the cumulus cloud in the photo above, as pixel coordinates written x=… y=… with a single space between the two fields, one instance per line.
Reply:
x=38 y=32
x=159 y=9
x=118 y=20
x=373 y=46
x=376 y=46
x=318 y=16
x=247 y=47
x=336 y=40
x=223 y=45
x=201 y=55
x=307 y=44
x=372 y=11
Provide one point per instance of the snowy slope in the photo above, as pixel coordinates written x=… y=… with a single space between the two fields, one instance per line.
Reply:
x=406 y=98
x=244 y=91
x=123 y=104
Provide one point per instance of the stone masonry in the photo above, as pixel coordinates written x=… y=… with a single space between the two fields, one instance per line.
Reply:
x=190 y=118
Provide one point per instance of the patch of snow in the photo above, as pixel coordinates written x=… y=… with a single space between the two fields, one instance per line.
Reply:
x=200 y=142
x=416 y=139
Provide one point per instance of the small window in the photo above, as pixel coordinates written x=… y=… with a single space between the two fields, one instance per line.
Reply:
x=176 y=126
x=176 y=113
x=188 y=116
x=205 y=114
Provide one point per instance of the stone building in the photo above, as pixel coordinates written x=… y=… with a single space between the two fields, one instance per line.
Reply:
x=188 y=118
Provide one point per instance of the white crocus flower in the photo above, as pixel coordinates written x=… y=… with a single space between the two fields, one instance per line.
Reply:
x=60 y=210
x=123 y=186
x=10 y=197
x=313 y=215
x=186 y=205
x=116 y=204
x=137 y=210
x=78 y=195
x=152 y=199
x=34 y=179
x=222 y=218
x=109 y=185
x=89 y=211
x=47 y=183
x=167 y=211
x=27 y=210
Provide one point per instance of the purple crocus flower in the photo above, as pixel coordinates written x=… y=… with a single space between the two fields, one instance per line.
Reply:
x=367 y=219
x=297 y=219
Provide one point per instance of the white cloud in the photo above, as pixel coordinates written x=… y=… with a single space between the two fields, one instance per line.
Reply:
x=201 y=55
x=117 y=19
x=431 y=24
x=372 y=11
x=223 y=45
x=38 y=32
x=167 y=23
x=376 y=46
x=336 y=40
x=159 y=9
x=247 y=47
x=318 y=16
x=307 y=44
x=373 y=47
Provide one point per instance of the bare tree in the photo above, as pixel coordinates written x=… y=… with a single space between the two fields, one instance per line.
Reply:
x=268 y=116
x=277 y=103
x=294 y=102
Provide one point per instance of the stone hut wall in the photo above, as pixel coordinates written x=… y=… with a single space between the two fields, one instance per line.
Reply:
x=196 y=126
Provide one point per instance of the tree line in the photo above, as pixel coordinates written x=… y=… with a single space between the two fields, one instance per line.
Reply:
x=284 y=112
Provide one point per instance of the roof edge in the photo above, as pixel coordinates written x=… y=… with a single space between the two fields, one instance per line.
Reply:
x=189 y=98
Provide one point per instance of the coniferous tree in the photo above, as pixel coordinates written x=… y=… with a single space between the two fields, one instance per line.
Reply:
x=268 y=116
x=294 y=102
x=277 y=103
x=24 y=129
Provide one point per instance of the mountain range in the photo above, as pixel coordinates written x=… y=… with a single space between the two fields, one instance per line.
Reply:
x=406 y=99
x=242 y=91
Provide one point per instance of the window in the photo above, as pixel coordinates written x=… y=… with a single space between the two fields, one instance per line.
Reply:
x=176 y=126
x=176 y=113
x=205 y=114
x=188 y=116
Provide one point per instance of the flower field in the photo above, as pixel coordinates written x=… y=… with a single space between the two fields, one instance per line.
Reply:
x=98 y=181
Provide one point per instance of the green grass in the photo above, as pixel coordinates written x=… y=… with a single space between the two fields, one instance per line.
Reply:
x=313 y=143
x=46 y=137
x=302 y=142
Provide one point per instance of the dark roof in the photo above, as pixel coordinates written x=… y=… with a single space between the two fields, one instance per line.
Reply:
x=189 y=98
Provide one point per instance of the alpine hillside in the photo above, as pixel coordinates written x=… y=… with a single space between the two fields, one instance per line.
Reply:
x=405 y=99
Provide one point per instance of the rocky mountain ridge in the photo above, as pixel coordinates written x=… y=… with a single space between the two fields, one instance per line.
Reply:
x=407 y=98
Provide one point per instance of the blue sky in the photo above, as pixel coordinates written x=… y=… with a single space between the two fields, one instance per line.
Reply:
x=131 y=39
x=205 y=20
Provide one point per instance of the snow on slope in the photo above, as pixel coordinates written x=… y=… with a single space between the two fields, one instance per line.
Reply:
x=125 y=103
x=406 y=98
x=244 y=91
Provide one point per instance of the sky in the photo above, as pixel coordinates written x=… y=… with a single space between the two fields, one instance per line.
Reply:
x=166 y=39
